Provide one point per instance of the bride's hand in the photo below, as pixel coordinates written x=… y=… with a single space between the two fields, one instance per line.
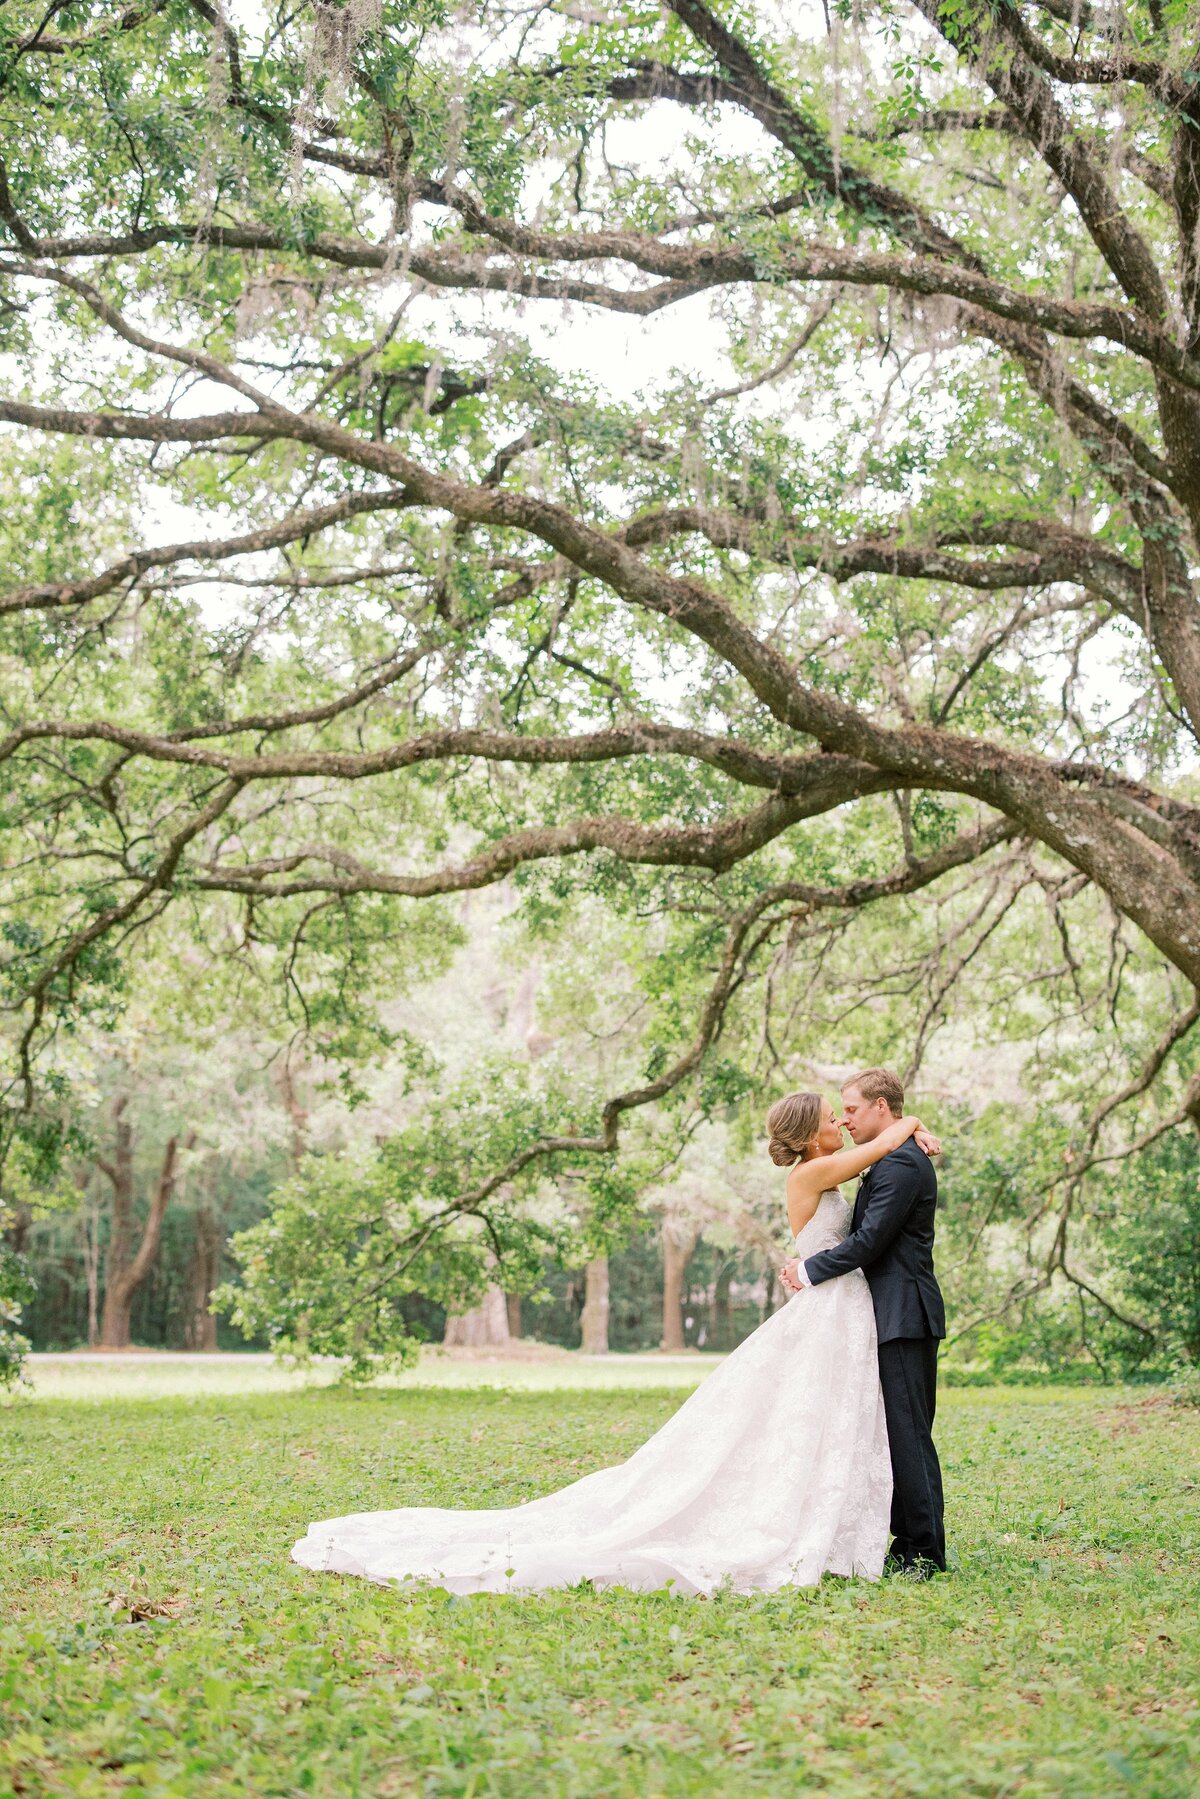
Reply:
x=927 y=1141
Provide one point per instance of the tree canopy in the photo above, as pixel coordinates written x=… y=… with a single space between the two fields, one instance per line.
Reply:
x=336 y=591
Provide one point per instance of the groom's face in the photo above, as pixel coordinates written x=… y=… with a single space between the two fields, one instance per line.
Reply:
x=864 y=1118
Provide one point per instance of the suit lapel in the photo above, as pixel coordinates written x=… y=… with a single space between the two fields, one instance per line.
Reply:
x=860 y=1199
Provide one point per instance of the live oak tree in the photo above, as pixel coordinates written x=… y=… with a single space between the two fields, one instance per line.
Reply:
x=331 y=594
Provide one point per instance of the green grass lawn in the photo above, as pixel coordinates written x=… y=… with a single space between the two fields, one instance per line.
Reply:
x=157 y=1641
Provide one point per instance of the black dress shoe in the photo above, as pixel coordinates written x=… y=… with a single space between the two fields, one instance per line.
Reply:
x=920 y=1568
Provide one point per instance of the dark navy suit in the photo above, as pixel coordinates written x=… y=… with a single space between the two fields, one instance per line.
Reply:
x=891 y=1240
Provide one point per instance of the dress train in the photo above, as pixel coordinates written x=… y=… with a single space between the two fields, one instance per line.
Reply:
x=773 y=1472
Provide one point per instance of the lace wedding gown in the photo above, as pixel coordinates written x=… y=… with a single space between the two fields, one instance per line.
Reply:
x=774 y=1472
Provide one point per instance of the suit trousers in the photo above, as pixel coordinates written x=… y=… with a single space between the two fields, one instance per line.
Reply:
x=908 y=1376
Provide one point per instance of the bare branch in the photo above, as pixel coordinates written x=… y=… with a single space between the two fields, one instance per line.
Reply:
x=49 y=595
x=717 y=848
x=784 y=120
x=199 y=360
x=731 y=973
x=1024 y=90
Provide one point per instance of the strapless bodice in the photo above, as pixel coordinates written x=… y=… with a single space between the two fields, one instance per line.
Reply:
x=827 y=1226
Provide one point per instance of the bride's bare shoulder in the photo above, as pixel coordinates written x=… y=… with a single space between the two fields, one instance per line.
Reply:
x=811 y=1177
x=803 y=1198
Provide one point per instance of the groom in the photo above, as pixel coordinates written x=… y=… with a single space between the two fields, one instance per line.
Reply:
x=891 y=1240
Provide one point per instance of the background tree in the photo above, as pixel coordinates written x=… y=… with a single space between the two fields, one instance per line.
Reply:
x=593 y=1319
x=16 y=1291
x=172 y=1133
x=714 y=1194
x=127 y=1264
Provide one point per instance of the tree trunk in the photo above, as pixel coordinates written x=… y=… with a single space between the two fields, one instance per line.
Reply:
x=512 y=1303
x=123 y=1275
x=769 y=1280
x=114 y=1325
x=89 y=1228
x=91 y=1264
x=594 y=1318
x=297 y=1112
x=201 y=1332
x=678 y=1245
x=20 y=1217
x=722 y=1311
x=484 y=1326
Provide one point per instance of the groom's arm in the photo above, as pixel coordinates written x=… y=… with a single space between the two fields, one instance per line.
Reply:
x=895 y=1188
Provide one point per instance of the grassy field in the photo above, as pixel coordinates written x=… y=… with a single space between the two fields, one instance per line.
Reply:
x=156 y=1640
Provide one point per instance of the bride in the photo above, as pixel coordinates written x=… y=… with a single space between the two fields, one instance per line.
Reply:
x=774 y=1472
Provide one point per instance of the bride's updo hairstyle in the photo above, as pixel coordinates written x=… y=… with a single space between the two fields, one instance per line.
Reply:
x=793 y=1123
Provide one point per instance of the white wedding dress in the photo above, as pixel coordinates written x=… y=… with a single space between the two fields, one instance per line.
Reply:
x=774 y=1472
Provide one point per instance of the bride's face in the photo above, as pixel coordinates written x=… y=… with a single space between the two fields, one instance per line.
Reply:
x=829 y=1131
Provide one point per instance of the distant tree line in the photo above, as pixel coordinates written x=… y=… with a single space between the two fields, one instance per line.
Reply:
x=134 y=1249
x=724 y=1295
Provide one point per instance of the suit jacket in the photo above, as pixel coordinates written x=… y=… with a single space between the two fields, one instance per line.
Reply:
x=891 y=1240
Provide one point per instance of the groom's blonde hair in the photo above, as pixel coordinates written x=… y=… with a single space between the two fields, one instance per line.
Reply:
x=879 y=1083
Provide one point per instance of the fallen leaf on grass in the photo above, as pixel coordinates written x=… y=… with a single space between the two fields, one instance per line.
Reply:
x=142 y=1610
